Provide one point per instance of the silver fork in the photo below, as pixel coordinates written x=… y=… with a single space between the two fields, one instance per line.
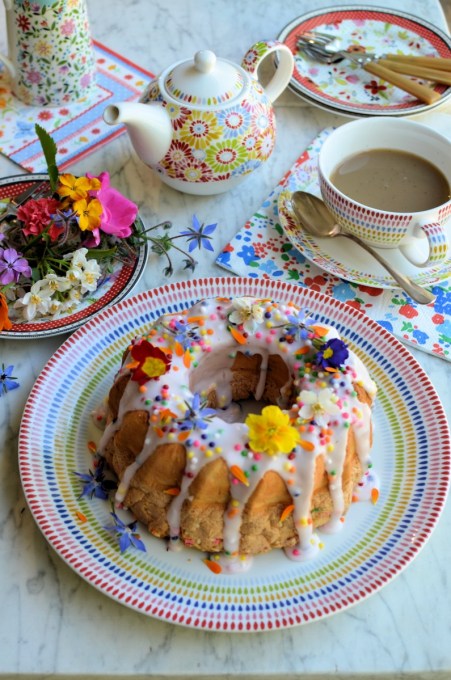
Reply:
x=35 y=191
x=369 y=62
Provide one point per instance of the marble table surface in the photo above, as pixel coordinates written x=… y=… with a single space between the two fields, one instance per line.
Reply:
x=56 y=625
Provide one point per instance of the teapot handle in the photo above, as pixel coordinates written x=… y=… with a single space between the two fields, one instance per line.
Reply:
x=255 y=55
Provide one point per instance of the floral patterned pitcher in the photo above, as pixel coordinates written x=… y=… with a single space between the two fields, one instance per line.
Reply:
x=51 y=59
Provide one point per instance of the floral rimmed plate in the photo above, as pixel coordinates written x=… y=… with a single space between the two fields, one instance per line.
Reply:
x=112 y=287
x=347 y=260
x=411 y=454
x=346 y=88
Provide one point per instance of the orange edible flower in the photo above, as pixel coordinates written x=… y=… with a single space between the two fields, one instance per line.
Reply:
x=174 y=491
x=215 y=567
x=5 y=322
x=239 y=474
x=236 y=335
x=81 y=517
x=320 y=331
x=287 y=512
x=374 y=496
x=307 y=446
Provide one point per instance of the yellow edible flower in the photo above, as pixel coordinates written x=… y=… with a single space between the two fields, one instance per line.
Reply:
x=88 y=213
x=271 y=432
x=76 y=187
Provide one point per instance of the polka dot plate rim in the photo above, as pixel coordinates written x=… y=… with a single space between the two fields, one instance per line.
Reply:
x=114 y=288
x=412 y=457
x=345 y=88
x=347 y=260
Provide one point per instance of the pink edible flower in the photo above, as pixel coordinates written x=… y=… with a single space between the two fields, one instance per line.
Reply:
x=118 y=213
x=37 y=215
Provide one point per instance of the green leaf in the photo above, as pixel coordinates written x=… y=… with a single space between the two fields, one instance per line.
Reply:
x=49 y=149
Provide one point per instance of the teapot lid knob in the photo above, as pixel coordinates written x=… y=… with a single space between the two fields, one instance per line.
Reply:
x=205 y=61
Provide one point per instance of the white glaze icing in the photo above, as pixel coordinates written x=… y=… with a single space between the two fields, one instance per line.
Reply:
x=202 y=344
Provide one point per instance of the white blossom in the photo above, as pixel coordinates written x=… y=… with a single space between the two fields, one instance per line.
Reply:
x=247 y=313
x=90 y=274
x=318 y=406
x=35 y=302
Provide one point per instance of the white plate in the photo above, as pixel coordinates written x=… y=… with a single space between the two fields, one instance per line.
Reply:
x=346 y=88
x=345 y=259
x=114 y=286
x=411 y=454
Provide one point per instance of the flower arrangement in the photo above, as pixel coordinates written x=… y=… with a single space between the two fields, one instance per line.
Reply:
x=59 y=246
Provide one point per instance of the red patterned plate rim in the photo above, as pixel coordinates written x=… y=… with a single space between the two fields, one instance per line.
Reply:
x=314 y=20
x=126 y=279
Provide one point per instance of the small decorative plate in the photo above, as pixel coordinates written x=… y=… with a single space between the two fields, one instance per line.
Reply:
x=114 y=286
x=411 y=455
x=345 y=87
x=347 y=260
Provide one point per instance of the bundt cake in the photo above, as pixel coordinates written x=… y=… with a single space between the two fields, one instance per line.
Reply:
x=239 y=426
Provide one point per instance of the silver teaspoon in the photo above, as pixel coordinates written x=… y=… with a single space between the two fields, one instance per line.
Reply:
x=314 y=217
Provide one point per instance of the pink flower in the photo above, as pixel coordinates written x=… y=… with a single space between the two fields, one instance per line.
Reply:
x=118 y=213
x=68 y=27
x=34 y=77
x=37 y=215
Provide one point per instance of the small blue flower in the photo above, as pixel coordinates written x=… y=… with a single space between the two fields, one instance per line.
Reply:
x=199 y=235
x=7 y=380
x=297 y=325
x=183 y=334
x=126 y=533
x=196 y=415
x=95 y=483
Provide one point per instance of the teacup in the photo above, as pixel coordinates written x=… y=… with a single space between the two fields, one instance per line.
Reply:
x=377 y=226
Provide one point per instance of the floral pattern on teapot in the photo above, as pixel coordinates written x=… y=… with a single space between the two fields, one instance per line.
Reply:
x=210 y=146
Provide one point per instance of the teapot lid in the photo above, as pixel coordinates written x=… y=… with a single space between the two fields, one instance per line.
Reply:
x=204 y=80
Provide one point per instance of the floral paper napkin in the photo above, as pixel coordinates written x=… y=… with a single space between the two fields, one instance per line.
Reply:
x=261 y=249
x=76 y=128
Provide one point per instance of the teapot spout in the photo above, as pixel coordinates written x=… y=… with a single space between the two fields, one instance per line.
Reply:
x=149 y=127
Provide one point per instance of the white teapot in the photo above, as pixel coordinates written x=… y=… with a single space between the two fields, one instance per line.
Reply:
x=206 y=123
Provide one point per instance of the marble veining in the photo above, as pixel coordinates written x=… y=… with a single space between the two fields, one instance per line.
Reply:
x=55 y=624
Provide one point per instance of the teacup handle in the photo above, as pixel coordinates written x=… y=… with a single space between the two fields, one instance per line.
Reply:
x=255 y=55
x=438 y=245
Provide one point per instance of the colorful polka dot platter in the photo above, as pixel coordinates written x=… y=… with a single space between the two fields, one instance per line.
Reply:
x=411 y=455
x=114 y=285
x=344 y=87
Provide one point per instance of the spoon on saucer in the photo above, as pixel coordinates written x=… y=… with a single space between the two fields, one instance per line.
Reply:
x=314 y=217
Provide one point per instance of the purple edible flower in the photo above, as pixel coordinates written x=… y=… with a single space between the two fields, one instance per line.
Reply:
x=12 y=265
x=127 y=534
x=95 y=483
x=7 y=380
x=199 y=235
x=332 y=354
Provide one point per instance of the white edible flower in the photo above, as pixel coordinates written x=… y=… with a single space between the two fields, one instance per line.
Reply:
x=35 y=302
x=74 y=295
x=55 y=308
x=56 y=283
x=90 y=274
x=318 y=406
x=247 y=313
x=78 y=258
x=73 y=275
